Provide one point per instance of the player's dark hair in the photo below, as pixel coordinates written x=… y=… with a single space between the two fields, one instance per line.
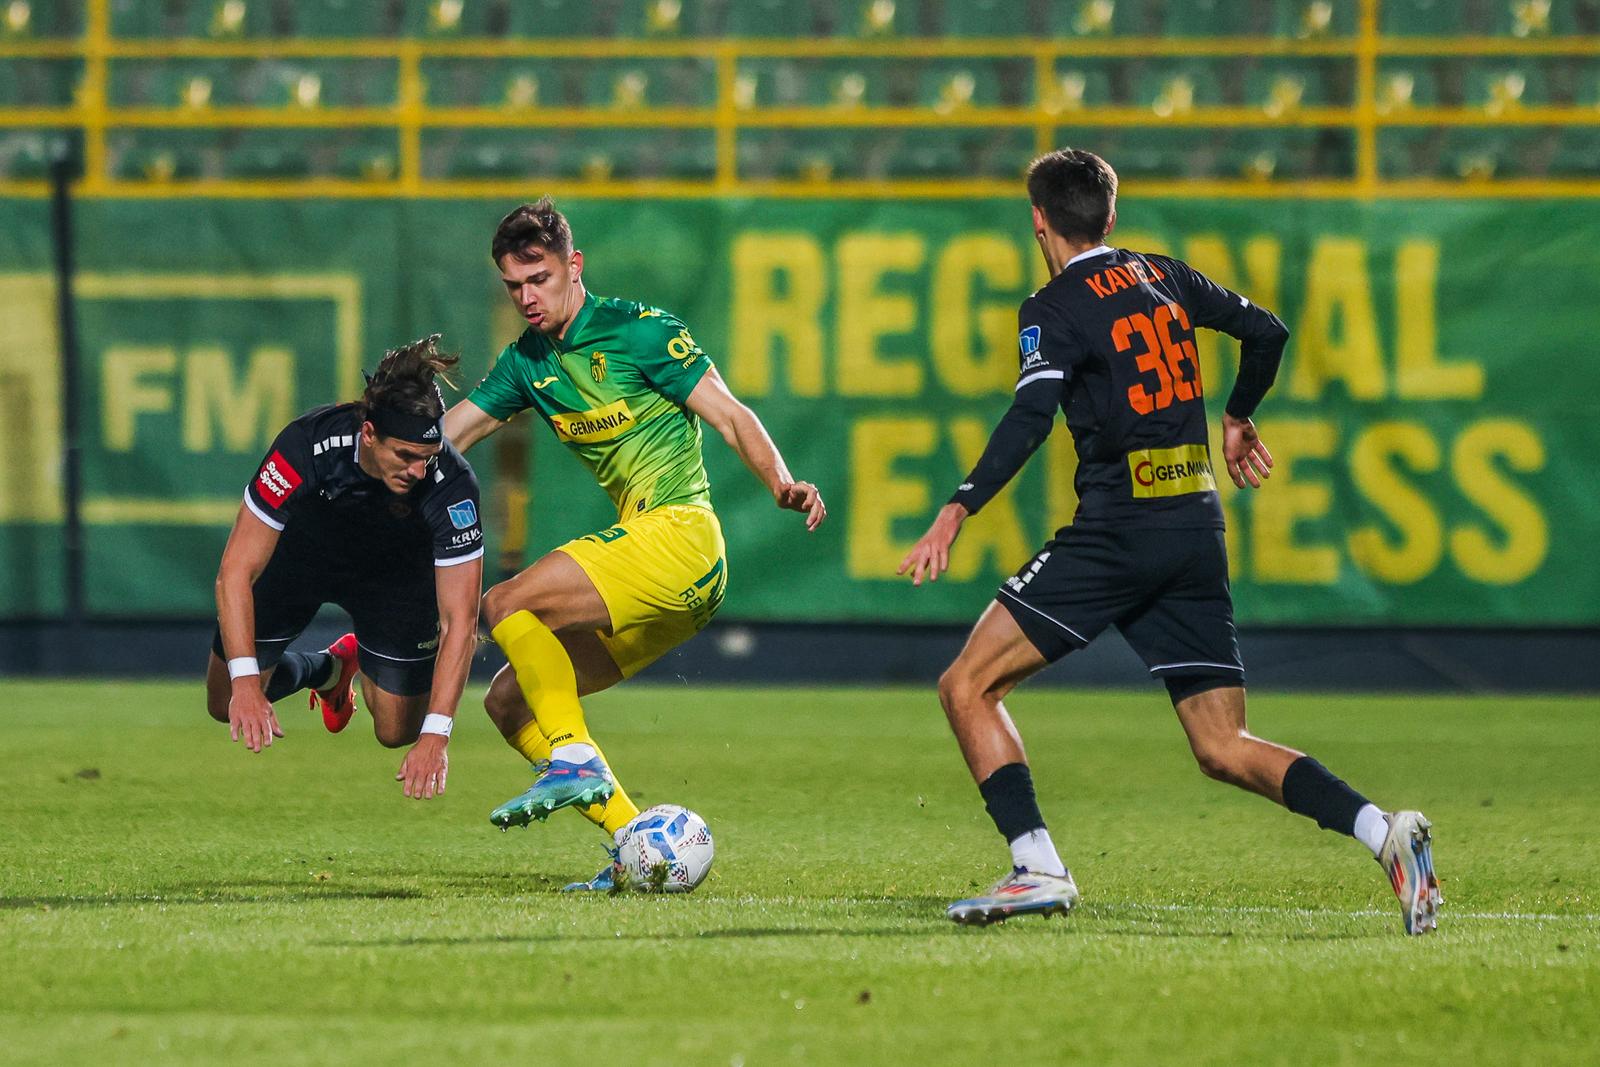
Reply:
x=405 y=380
x=537 y=225
x=1076 y=191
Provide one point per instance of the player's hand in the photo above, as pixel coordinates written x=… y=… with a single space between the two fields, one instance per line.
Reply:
x=425 y=768
x=250 y=716
x=931 y=555
x=1247 y=458
x=802 y=496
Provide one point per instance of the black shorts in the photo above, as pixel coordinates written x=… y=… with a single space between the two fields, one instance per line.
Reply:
x=1165 y=590
x=396 y=617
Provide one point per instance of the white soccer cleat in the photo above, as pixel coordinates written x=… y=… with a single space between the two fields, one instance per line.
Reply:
x=1407 y=858
x=1022 y=892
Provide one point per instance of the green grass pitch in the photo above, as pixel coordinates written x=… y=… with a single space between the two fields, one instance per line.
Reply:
x=168 y=897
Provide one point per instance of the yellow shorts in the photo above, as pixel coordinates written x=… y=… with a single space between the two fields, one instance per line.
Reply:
x=661 y=575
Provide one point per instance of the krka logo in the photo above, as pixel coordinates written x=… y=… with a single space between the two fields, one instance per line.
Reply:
x=597 y=366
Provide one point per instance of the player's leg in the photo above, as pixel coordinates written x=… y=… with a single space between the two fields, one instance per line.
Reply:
x=395 y=644
x=1056 y=604
x=525 y=614
x=1187 y=637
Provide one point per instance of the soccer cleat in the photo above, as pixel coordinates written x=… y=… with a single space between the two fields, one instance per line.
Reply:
x=1022 y=892
x=604 y=882
x=340 y=704
x=1407 y=858
x=560 y=784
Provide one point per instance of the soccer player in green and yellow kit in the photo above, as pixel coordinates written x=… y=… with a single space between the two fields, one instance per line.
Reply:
x=625 y=387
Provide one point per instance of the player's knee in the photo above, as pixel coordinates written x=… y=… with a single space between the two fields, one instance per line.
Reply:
x=393 y=734
x=217 y=709
x=1221 y=760
x=958 y=690
x=496 y=606
x=503 y=706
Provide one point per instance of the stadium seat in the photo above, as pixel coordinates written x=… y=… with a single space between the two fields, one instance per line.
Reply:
x=39 y=82
x=1207 y=18
x=460 y=18
x=1169 y=89
x=41 y=18
x=1102 y=18
x=1079 y=85
x=1168 y=153
x=847 y=83
x=990 y=18
x=346 y=18
x=268 y=154
x=25 y=155
x=772 y=18
x=1405 y=84
x=1577 y=153
x=563 y=18
x=1281 y=88
x=1311 y=19
x=1290 y=154
x=1497 y=87
x=1422 y=18
x=951 y=85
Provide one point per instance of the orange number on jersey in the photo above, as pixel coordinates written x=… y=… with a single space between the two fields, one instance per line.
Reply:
x=1148 y=360
x=1162 y=354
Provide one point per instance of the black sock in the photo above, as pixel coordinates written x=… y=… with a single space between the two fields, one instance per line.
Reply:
x=1310 y=789
x=1008 y=794
x=297 y=671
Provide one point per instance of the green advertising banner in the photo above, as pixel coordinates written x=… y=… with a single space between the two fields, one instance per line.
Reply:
x=1433 y=421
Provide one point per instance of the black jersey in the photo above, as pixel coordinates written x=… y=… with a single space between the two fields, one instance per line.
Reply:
x=1110 y=343
x=312 y=488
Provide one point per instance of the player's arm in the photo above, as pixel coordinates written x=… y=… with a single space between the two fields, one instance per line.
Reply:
x=742 y=430
x=458 y=588
x=490 y=405
x=466 y=424
x=1047 y=354
x=1262 y=337
x=250 y=546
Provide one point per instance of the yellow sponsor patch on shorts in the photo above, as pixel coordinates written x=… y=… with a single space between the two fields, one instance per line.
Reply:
x=600 y=424
x=1160 y=472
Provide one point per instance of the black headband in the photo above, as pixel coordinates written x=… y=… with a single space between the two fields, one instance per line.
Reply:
x=418 y=429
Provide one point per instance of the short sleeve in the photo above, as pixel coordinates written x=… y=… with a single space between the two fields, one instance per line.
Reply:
x=1046 y=350
x=500 y=395
x=280 y=480
x=452 y=514
x=668 y=356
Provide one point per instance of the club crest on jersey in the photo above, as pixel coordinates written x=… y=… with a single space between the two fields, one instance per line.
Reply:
x=277 y=479
x=463 y=516
x=597 y=367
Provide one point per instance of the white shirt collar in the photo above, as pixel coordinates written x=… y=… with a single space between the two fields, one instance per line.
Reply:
x=1100 y=251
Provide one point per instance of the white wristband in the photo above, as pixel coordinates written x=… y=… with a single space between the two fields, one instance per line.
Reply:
x=242 y=666
x=434 y=723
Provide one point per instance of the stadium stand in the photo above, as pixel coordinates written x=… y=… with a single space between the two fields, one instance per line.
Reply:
x=722 y=92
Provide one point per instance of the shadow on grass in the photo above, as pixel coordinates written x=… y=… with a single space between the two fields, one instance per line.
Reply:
x=232 y=892
x=694 y=935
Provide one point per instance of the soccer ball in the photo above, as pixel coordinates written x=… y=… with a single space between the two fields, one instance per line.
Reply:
x=666 y=849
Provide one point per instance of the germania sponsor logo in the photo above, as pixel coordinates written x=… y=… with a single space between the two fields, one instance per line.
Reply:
x=1159 y=472
x=277 y=479
x=463 y=515
x=599 y=424
x=1028 y=341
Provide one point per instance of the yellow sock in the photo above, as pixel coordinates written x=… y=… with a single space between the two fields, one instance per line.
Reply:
x=531 y=742
x=533 y=746
x=613 y=814
x=545 y=676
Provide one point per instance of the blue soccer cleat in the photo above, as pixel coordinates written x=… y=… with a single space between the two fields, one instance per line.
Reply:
x=1022 y=892
x=560 y=784
x=603 y=882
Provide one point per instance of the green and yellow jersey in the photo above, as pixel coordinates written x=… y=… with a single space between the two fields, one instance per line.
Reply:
x=613 y=390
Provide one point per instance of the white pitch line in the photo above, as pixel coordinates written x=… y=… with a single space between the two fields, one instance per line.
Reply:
x=1206 y=909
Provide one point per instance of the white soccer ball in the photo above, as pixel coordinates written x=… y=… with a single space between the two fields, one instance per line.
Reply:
x=666 y=849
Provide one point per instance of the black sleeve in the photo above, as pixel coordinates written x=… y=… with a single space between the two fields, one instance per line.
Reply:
x=1261 y=335
x=452 y=513
x=281 y=479
x=1049 y=352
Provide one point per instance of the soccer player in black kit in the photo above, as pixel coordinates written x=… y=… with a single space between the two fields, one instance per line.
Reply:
x=1109 y=341
x=367 y=506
